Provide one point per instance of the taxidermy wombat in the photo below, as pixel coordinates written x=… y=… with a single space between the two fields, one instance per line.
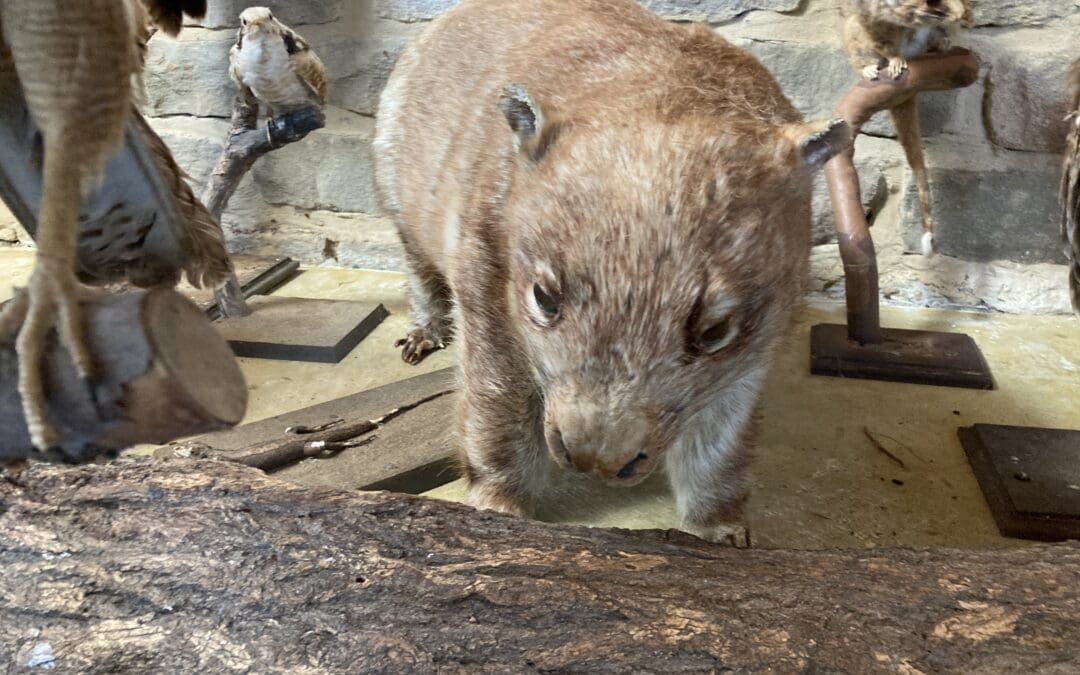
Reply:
x=619 y=210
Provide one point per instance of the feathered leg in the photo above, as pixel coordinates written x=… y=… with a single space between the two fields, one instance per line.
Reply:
x=75 y=61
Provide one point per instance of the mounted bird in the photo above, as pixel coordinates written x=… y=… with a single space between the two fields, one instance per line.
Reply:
x=276 y=64
x=85 y=174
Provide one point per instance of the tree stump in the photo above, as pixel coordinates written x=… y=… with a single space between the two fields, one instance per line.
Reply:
x=163 y=373
x=209 y=566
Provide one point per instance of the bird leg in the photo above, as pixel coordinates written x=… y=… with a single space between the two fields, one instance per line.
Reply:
x=51 y=299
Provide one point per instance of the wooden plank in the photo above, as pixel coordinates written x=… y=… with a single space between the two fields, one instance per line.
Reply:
x=910 y=356
x=414 y=453
x=1030 y=478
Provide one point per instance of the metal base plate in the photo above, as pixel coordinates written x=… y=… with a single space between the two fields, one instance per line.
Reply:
x=1030 y=478
x=912 y=356
x=301 y=329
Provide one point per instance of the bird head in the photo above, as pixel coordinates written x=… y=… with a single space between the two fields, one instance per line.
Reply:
x=254 y=19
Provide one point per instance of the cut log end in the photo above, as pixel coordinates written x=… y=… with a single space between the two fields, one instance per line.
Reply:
x=162 y=372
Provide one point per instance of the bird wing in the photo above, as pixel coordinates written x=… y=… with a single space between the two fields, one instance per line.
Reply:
x=168 y=15
x=142 y=223
x=306 y=64
x=1070 y=186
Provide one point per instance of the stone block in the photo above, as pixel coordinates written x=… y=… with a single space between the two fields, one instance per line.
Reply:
x=988 y=206
x=226 y=13
x=361 y=63
x=189 y=77
x=411 y=11
x=1025 y=107
x=1022 y=12
x=714 y=11
x=330 y=169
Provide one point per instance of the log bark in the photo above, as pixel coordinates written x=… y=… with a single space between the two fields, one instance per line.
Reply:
x=162 y=372
x=246 y=143
x=212 y=567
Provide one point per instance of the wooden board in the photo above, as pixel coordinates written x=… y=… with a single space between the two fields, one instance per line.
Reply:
x=414 y=453
x=1030 y=478
x=911 y=356
x=301 y=329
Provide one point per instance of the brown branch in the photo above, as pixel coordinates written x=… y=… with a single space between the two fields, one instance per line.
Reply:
x=246 y=143
x=958 y=68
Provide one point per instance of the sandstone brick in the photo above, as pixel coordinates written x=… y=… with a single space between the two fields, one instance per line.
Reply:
x=988 y=206
x=1022 y=12
x=714 y=11
x=1026 y=88
x=225 y=13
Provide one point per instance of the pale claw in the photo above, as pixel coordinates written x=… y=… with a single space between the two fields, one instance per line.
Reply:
x=417 y=344
x=735 y=535
x=871 y=72
x=897 y=66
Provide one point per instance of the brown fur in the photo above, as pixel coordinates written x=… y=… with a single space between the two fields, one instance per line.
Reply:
x=650 y=180
x=880 y=36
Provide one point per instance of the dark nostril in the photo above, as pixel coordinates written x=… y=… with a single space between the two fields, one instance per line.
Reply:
x=628 y=470
x=560 y=447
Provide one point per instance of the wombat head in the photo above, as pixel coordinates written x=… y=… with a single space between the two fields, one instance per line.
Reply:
x=915 y=13
x=654 y=267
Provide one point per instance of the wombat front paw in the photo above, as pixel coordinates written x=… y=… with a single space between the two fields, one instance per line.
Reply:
x=417 y=344
x=728 y=534
x=897 y=66
x=489 y=500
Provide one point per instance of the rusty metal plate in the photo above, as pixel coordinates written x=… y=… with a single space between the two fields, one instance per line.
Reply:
x=301 y=329
x=1030 y=478
x=911 y=356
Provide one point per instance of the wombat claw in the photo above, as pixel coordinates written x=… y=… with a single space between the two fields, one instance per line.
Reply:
x=416 y=345
x=733 y=535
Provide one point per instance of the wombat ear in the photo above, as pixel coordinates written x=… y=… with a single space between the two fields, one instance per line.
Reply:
x=533 y=131
x=820 y=142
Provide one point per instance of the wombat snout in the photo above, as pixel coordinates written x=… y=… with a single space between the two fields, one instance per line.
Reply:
x=613 y=455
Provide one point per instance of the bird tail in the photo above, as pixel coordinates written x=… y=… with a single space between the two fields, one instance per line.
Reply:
x=207 y=263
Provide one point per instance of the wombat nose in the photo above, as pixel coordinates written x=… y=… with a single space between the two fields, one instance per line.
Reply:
x=628 y=470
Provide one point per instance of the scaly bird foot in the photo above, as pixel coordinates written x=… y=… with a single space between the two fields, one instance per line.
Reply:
x=897 y=66
x=51 y=302
x=871 y=72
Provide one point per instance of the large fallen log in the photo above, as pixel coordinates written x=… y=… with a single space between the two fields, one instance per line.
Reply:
x=212 y=567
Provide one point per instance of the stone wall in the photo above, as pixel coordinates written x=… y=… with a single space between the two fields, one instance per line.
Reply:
x=992 y=149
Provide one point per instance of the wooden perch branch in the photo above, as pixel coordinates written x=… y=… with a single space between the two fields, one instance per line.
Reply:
x=246 y=143
x=958 y=68
x=186 y=566
x=163 y=371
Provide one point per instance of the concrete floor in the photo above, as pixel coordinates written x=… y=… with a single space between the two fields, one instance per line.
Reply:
x=818 y=481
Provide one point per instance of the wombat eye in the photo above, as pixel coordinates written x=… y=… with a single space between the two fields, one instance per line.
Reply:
x=545 y=302
x=716 y=336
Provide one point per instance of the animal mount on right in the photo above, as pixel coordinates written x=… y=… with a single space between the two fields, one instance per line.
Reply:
x=862 y=348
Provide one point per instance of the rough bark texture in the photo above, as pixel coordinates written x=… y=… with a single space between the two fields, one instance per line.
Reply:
x=212 y=567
